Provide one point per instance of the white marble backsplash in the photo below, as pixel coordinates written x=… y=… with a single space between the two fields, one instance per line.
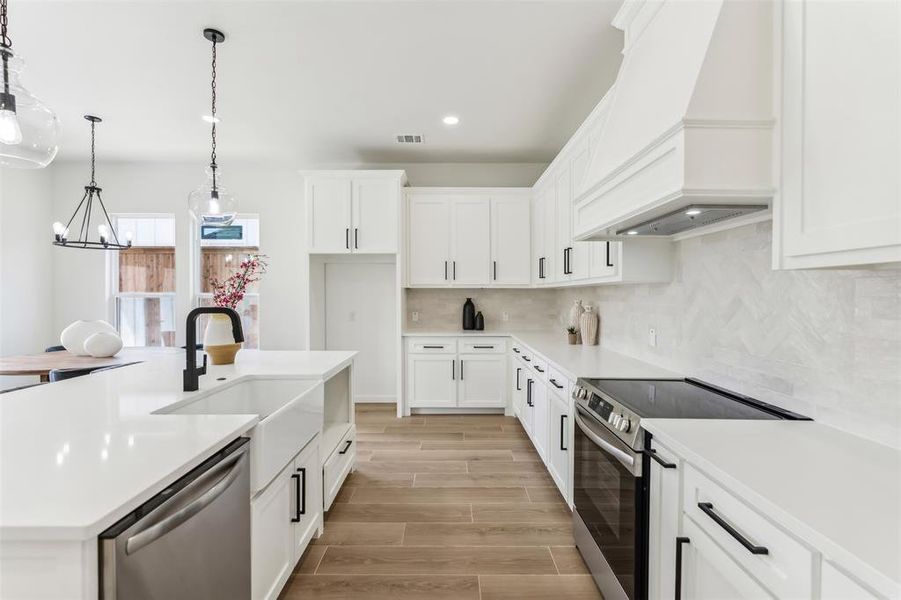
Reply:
x=825 y=343
x=442 y=309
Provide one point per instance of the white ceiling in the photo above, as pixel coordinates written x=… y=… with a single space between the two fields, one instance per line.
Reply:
x=317 y=83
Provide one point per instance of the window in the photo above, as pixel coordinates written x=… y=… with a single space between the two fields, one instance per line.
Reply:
x=221 y=251
x=143 y=281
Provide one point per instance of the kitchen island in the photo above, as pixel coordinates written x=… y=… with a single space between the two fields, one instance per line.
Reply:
x=78 y=455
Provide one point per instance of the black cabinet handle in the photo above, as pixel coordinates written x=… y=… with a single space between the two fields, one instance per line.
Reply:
x=453 y=369
x=609 y=264
x=526 y=358
x=495 y=270
x=445 y=270
x=518 y=371
x=461 y=369
x=541 y=268
x=483 y=347
x=516 y=350
x=707 y=508
x=303 y=491
x=297 y=513
x=356 y=240
x=563 y=432
x=434 y=347
x=346 y=447
x=347 y=238
x=455 y=270
x=554 y=383
x=653 y=454
x=539 y=369
x=529 y=392
x=679 y=542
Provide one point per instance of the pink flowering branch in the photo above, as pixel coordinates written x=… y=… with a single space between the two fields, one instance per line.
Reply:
x=230 y=293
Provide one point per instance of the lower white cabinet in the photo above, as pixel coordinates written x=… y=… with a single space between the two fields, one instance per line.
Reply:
x=338 y=465
x=559 y=445
x=708 y=573
x=517 y=387
x=536 y=392
x=482 y=380
x=465 y=372
x=664 y=514
x=285 y=516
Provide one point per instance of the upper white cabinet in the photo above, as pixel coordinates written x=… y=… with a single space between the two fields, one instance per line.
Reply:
x=468 y=237
x=510 y=241
x=840 y=200
x=353 y=211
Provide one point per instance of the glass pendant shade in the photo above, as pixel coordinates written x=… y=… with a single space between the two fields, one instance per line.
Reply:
x=211 y=204
x=29 y=130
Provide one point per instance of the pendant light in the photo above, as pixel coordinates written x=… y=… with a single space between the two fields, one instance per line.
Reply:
x=106 y=234
x=28 y=129
x=210 y=203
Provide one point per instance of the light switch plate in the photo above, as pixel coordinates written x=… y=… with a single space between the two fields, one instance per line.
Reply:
x=505 y=316
x=652 y=337
x=415 y=316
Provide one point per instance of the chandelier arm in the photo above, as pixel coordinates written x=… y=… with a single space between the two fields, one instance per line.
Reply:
x=86 y=220
x=108 y=222
x=77 y=208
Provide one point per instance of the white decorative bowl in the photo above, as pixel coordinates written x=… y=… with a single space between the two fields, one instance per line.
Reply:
x=103 y=344
x=74 y=336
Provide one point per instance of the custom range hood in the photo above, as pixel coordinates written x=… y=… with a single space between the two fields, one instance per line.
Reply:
x=687 y=134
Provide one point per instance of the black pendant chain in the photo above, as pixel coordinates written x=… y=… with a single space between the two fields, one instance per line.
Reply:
x=93 y=155
x=6 y=46
x=213 y=165
x=5 y=42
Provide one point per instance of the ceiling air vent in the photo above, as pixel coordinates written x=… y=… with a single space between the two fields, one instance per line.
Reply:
x=409 y=139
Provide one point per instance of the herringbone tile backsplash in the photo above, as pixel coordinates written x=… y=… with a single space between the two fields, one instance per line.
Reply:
x=824 y=343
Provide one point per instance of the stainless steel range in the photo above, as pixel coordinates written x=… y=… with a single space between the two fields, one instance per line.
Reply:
x=610 y=481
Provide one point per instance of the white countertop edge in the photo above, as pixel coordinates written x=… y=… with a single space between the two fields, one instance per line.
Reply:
x=831 y=550
x=60 y=533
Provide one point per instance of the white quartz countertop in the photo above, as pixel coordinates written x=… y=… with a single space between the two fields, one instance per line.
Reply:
x=78 y=455
x=574 y=360
x=836 y=491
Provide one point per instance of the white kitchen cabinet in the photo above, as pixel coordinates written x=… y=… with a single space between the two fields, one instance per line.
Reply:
x=483 y=380
x=307 y=505
x=432 y=380
x=527 y=417
x=708 y=573
x=841 y=135
x=353 y=211
x=836 y=585
x=558 y=452
x=470 y=241
x=440 y=376
x=604 y=259
x=374 y=210
x=328 y=201
x=339 y=463
x=540 y=415
x=664 y=514
x=429 y=235
x=511 y=241
x=283 y=521
x=517 y=388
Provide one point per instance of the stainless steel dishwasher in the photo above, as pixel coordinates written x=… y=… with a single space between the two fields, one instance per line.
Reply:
x=191 y=541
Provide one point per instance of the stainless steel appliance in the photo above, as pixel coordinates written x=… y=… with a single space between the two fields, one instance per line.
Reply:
x=191 y=541
x=610 y=479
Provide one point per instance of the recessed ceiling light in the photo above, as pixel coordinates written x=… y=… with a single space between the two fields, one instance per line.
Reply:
x=632 y=232
x=692 y=212
x=210 y=119
x=451 y=120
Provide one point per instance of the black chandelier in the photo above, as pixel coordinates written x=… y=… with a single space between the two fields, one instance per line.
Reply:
x=106 y=233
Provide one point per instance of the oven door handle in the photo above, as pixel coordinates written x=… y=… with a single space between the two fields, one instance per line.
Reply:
x=624 y=458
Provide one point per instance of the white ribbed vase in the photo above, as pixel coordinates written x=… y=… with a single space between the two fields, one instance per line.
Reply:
x=575 y=319
x=589 y=323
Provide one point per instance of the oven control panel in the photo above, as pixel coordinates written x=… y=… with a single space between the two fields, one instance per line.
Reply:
x=616 y=417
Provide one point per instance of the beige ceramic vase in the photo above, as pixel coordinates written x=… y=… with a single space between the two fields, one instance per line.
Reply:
x=218 y=341
x=575 y=317
x=589 y=323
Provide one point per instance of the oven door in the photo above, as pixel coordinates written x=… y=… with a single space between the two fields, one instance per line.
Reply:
x=607 y=520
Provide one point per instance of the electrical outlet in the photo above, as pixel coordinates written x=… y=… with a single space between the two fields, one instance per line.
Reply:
x=652 y=337
x=415 y=316
x=505 y=316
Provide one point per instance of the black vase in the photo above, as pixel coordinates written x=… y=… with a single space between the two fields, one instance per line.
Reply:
x=480 y=321
x=469 y=315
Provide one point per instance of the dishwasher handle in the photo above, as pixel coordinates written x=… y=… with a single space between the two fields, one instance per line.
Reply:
x=154 y=532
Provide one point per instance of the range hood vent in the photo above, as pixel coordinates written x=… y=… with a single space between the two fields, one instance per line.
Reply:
x=688 y=123
x=690 y=217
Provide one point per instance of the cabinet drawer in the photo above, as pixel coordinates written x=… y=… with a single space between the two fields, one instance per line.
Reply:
x=482 y=345
x=436 y=345
x=560 y=383
x=539 y=366
x=777 y=560
x=338 y=465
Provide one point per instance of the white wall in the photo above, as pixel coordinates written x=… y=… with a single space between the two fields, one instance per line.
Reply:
x=275 y=193
x=26 y=276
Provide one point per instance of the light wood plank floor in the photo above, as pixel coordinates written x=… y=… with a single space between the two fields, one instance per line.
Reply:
x=443 y=508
